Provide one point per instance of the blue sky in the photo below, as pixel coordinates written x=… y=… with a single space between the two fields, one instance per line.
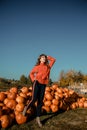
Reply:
x=29 y=28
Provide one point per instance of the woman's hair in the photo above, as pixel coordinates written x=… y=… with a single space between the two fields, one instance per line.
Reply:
x=38 y=60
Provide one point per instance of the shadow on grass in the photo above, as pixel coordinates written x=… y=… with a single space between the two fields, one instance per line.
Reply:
x=49 y=116
x=44 y=117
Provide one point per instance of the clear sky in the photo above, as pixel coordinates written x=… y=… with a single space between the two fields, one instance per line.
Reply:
x=29 y=28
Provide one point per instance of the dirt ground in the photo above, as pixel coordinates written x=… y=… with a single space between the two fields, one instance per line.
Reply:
x=69 y=120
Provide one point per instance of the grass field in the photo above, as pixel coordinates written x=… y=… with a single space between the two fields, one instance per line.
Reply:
x=75 y=119
x=68 y=120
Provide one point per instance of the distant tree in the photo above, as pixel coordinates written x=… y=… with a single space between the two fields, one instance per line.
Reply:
x=29 y=82
x=85 y=78
x=23 y=79
x=71 y=77
x=62 y=75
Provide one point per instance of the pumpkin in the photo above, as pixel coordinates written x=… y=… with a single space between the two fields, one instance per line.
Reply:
x=59 y=90
x=2 y=96
x=29 y=112
x=60 y=104
x=6 y=100
x=14 y=90
x=82 y=99
x=56 y=97
x=55 y=101
x=30 y=88
x=11 y=95
x=80 y=104
x=11 y=104
x=46 y=109
x=20 y=99
x=5 y=121
x=29 y=94
x=71 y=92
x=73 y=106
x=60 y=95
x=47 y=103
x=66 y=95
x=65 y=90
x=20 y=119
x=54 y=108
x=54 y=86
x=24 y=89
x=23 y=95
x=48 y=96
x=16 y=112
x=48 y=89
x=85 y=104
x=20 y=107
x=1 y=104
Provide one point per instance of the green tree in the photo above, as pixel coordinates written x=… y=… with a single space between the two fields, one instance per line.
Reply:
x=23 y=79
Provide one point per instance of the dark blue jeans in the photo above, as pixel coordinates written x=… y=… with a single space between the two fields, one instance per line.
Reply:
x=37 y=95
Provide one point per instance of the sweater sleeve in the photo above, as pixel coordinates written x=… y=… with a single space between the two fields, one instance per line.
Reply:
x=33 y=73
x=51 y=60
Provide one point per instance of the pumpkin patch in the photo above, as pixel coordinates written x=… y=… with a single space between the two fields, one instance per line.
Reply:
x=13 y=101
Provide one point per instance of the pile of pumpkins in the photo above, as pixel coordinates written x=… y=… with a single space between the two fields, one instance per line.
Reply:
x=13 y=101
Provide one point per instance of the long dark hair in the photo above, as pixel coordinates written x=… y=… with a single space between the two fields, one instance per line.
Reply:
x=38 y=60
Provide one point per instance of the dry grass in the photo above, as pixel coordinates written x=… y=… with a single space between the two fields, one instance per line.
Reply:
x=69 y=120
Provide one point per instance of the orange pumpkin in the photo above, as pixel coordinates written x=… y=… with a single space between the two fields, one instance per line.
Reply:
x=71 y=92
x=11 y=95
x=23 y=95
x=2 y=96
x=6 y=100
x=1 y=104
x=55 y=101
x=24 y=89
x=60 y=95
x=30 y=88
x=85 y=104
x=11 y=104
x=81 y=104
x=56 y=97
x=20 y=107
x=5 y=121
x=54 y=108
x=48 y=96
x=29 y=94
x=46 y=109
x=73 y=106
x=59 y=90
x=48 y=89
x=14 y=90
x=20 y=119
x=20 y=99
x=54 y=86
x=47 y=103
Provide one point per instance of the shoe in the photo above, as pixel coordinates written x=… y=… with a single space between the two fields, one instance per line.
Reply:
x=38 y=121
x=24 y=111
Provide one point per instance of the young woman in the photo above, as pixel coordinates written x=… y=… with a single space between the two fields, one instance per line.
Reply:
x=40 y=77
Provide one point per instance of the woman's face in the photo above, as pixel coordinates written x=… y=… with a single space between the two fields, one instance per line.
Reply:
x=43 y=59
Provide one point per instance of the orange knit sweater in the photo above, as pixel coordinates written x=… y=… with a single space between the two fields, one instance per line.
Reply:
x=41 y=72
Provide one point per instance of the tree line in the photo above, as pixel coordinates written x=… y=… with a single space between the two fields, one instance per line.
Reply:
x=70 y=77
x=65 y=79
